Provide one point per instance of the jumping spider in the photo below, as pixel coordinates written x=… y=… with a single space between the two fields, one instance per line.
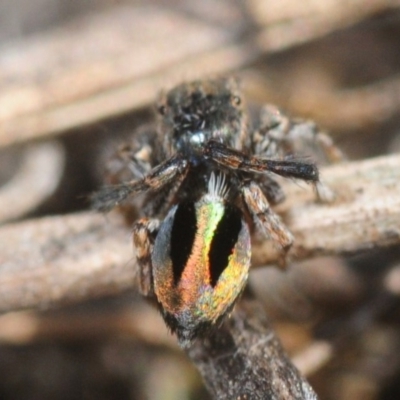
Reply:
x=206 y=178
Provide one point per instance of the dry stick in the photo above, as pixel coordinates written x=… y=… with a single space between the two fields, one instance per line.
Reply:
x=365 y=214
x=131 y=318
x=60 y=259
x=53 y=260
x=336 y=109
x=41 y=164
x=319 y=16
x=243 y=359
x=49 y=86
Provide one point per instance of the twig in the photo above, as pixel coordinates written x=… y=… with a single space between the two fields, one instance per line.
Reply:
x=71 y=76
x=365 y=214
x=54 y=260
x=336 y=108
x=134 y=319
x=75 y=75
x=41 y=164
x=244 y=360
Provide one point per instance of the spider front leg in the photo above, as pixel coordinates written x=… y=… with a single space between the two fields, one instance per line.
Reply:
x=132 y=159
x=236 y=160
x=266 y=218
x=160 y=202
x=271 y=189
x=128 y=163
x=110 y=196
x=278 y=134
x=144 y=234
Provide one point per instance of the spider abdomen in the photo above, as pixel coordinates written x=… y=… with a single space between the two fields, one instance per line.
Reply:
x=201 y=259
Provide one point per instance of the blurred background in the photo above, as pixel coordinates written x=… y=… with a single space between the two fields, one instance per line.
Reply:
x=78 y=77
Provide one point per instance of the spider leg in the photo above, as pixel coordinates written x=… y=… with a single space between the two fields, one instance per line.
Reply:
x=277 y=133
x=132 y=159
x=128 y=163
x=144 y=233
x=158 y=203
x=110 y=196
x=266 y=218
x=234 y=159
x=271 y=189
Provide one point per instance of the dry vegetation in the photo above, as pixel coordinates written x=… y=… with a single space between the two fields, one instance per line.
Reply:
x=73 y=326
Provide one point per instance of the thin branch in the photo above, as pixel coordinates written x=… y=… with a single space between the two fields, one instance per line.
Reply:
x=243 y=359
x=42 y=164
x=337 y=109
x=48 y=86
x=54 y=260
x=365 y=214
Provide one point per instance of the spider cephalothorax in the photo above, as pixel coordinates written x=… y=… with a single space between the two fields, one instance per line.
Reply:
x=208 y=179
x=194 y=113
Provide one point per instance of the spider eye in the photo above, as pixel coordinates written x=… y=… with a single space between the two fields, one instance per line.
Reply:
x=161 y=108
x=236 y=100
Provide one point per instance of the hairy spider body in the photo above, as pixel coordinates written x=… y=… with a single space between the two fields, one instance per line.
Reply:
x=208 y=179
